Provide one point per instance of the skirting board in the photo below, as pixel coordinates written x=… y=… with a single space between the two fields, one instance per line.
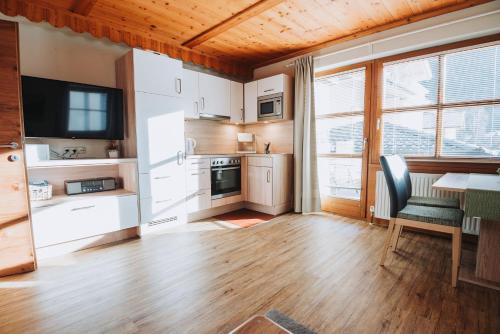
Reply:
x=270 y=210
x=76 y=245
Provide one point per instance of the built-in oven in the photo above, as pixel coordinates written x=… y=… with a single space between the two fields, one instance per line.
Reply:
x=270 y=107
x=226 y=176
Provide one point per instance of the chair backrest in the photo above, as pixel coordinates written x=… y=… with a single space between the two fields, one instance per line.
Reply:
x=407 y=177
x=395 y=171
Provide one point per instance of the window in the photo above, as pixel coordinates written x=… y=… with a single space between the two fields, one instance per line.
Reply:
x=445 y=105
x=340 y=105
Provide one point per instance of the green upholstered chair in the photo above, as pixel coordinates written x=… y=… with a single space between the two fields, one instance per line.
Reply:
x=423 y=200
x=441 y=219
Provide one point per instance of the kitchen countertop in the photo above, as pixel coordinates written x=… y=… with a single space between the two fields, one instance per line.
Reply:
x=194 y=156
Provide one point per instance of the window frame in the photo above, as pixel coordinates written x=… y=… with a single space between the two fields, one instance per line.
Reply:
x=378 y=84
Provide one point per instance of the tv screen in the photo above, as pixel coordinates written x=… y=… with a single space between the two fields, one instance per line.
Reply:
x=61 y=109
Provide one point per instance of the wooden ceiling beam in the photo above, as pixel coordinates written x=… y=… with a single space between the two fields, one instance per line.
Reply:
x=83 y=7
x=60 y=18
x=374 y=30
x=247 y=13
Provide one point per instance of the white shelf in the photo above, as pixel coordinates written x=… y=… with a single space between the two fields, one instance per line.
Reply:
x=79 y=162
x=59 y=199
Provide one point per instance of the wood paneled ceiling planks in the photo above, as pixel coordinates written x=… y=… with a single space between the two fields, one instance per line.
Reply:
x=231 y=36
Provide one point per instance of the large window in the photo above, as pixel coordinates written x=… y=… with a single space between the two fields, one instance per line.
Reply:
x=443 y=106
x=339 y=131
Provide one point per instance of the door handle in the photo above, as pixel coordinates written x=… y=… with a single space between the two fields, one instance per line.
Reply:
x=180 y=158
x=178 y=80
x=12 y=145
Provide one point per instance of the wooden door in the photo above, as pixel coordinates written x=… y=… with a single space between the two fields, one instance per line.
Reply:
x=16 y=244
x=342 y=131
x=214 y=95
x=260 y=185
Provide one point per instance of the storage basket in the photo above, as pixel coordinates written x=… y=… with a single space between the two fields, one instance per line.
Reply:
x=40 y=192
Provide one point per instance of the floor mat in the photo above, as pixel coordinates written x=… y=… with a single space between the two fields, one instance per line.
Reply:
x=245 y=218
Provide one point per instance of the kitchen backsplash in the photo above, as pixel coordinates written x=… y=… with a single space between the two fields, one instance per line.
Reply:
x=218 y=138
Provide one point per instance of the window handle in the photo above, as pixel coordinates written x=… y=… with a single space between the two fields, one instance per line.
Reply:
x=365 y=143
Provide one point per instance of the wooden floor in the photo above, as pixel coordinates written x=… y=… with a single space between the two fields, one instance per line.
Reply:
x=321 y=271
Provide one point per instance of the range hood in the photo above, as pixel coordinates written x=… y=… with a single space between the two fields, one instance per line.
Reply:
x=212 y=117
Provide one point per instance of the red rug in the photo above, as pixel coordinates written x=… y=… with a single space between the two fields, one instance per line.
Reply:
x=245 y=218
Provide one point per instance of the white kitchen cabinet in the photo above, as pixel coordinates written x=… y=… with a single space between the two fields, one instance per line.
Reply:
x=271 y=85
x=236 y=102
x=82 y=218
x=250 y=98
x=215 y=95
x=157 y=74
x=160 y=132
x=190 y=94
x=198 y=184
x=260 y=185
x=160 y=149
x=270 y=183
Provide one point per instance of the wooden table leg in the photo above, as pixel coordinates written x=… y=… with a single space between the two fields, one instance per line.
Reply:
x=488 y=251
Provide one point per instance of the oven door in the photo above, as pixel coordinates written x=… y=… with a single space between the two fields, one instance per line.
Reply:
x=226 y=181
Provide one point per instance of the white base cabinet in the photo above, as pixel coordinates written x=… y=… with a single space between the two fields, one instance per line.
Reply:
x=83 y=218
x=198 y=184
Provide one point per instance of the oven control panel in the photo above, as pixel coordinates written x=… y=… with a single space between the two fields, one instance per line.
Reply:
x=225 y=162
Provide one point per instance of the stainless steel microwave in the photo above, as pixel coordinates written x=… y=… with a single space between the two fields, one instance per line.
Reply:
x=270 y=107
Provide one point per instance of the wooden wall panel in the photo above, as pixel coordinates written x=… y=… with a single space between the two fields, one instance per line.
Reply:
x=16 y=245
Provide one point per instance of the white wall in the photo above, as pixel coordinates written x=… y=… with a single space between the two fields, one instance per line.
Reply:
x=461 y=25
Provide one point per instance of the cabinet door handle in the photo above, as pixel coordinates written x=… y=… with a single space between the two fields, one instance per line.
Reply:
x=161 y=177
x=268 y=90
x=202 y=103
x=196 y=108
x=178 y=88
x=202 y=173
x=180 y=158
x=268 y=176
x=163 y=201
x=83 y=208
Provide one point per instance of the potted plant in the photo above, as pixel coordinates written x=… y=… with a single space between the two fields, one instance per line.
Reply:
x=113 y=150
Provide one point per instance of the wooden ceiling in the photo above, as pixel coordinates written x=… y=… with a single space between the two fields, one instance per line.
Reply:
x=231 y=36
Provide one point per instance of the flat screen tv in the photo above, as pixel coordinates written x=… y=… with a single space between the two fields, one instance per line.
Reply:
x=61 y=109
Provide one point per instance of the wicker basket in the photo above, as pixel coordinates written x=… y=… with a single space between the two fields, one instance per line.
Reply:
x=40 y=192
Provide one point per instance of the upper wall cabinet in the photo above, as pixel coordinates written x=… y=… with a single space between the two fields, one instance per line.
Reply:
x=236 y=102
x=157 y=74
x=214 y=95
x=251 y=102
x=190 y=94
x=271 y=85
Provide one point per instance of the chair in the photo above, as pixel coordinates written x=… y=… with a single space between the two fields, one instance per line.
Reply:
x=440 y=219
x=422 y=200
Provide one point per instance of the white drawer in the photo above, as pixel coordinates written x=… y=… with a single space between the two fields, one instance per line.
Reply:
x=260 y=161
x=198 y=179
x=200 y=200
x=197 y=163
x=168 y=211
x=83 y=218
x=162 y=185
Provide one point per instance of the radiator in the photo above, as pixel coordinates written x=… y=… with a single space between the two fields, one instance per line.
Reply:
x=421 y=186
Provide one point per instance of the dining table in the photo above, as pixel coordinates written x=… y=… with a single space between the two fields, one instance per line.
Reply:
x=481 y=201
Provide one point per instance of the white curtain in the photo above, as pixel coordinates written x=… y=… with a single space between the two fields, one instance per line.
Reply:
x=307 y=198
